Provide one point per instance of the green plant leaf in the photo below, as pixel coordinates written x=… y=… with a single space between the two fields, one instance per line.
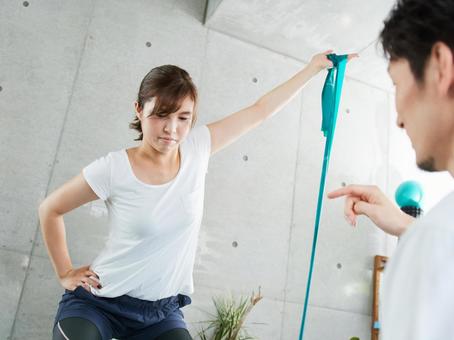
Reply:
x=227 y=322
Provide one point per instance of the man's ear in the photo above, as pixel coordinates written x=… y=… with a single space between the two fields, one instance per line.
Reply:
x=139 y=111
x=444 y=61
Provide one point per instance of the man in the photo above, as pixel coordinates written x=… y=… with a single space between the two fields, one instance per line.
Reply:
x=418 y=289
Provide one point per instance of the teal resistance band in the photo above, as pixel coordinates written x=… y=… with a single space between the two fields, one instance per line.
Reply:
x=330 y=104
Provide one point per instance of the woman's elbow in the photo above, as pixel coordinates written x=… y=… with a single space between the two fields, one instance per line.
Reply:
x=45 y=209
x=42 y=208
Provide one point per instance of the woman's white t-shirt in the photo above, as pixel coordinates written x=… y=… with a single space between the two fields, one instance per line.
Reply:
x=153 y=229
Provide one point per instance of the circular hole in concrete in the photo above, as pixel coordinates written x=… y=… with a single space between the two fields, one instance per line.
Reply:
x=245 y=158
x=348 y=111
x=25 y=3
x=344 y=184
x=234 y=244
x=1 y=88
x=339 y=265
x=254 y=80
x=148 y=44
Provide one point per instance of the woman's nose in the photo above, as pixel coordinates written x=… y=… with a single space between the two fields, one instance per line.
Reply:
x=170 y=126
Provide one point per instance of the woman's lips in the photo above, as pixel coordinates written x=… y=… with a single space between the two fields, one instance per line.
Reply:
x=167 y=140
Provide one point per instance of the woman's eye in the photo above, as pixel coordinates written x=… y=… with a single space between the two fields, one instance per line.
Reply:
x=183 y=118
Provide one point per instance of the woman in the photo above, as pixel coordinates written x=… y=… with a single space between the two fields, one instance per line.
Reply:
x=154 y=193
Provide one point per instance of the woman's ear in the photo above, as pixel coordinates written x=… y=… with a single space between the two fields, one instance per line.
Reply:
x=139 y=110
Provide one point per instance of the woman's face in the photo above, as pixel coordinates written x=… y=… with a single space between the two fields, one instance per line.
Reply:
x=164 y=134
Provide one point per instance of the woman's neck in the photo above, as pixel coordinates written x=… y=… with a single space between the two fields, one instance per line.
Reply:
x=160 y=159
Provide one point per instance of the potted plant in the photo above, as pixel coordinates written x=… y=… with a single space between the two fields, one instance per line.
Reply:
x=229 y=318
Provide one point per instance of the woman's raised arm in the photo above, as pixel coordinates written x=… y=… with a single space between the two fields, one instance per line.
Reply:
x=229 y=129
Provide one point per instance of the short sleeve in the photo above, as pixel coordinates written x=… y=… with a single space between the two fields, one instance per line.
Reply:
x=200 y=138
x=98 y=176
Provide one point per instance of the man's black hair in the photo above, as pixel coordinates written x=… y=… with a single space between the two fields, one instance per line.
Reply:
x=413 y=27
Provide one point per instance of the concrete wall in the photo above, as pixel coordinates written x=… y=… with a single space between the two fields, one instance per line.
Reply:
x=69 y=72
x=211 y=6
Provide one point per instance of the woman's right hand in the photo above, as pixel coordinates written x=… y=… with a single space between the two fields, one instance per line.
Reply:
x=82 y=276
x=320 y=61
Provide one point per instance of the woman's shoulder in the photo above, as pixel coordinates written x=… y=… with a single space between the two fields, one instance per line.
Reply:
x=111 y=157
x=198 y=135
x=115 y=154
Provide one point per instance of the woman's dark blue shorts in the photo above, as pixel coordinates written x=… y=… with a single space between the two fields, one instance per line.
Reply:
x=124 y=317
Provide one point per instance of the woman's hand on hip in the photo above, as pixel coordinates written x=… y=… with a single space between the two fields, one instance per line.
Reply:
x=82 y=276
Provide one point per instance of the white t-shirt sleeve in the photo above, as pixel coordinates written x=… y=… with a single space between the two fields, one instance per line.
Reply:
x=201 y=142
x=98 y=176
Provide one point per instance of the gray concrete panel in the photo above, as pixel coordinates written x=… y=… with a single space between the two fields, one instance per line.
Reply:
x=323 y=323
x=302 y=28
x=41 y=47
x=13 y=266
x=39 y=303
x=212 y=5
x=250 y=184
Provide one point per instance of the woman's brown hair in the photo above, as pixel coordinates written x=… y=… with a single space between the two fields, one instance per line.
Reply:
x=169 y=85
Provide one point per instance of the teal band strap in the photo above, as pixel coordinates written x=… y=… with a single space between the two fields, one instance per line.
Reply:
x=331 y=94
